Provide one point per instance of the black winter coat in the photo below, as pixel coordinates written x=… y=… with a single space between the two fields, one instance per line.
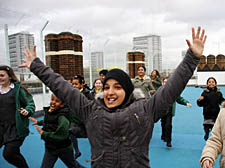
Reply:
x=50 y=124
x=212 y=99
x=119 y=138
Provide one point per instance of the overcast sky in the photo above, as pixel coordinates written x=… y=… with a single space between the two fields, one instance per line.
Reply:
x=111 y=25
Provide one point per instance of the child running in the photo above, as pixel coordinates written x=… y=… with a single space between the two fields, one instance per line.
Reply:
x=166 y=121
x=77 y=128
x=16 y=105
x=55 y=133
x=210 y=100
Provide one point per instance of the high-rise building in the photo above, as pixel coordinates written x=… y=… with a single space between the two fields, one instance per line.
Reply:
x=151 y=46
x=17 y=42
x=97 y=60
x=64 y=53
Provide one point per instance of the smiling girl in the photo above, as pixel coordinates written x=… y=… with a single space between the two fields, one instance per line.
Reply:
x=210 y=100
x=55 y=133
x=16 y=106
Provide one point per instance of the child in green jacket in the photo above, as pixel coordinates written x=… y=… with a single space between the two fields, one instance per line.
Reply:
x=16 y=105
x=166 y=121
x=55 y=133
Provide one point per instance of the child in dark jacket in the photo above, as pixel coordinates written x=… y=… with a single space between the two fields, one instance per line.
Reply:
x=166 y=121
x=210 y=100
x=77 y=128
x=55 y=133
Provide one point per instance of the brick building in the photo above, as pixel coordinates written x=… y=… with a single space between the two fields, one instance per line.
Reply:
x=212 y=63
x=134 y=60
x=64 y=53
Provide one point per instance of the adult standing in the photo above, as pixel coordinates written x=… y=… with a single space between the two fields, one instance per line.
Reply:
x=143 y=82
x=16 y=106
x=119 y=127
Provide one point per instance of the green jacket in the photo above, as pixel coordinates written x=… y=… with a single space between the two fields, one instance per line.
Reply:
x=23 y=100
x=180 y=100
x=60 y=134
x=156 y=83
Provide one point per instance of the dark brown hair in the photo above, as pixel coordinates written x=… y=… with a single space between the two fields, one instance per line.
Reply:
x=96 y=80
x=142 y=66
x=12 y=75
x=212 y=79
x=157 y=73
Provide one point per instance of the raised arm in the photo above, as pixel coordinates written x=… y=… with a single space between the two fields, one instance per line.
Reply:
x=167 y=94
x=61 y=88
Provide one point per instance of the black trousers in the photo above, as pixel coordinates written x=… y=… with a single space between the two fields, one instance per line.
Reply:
x=67 y=158
x=12 y=154
x=166 y=124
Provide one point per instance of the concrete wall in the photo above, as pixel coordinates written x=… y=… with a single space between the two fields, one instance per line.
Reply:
x=203 y=76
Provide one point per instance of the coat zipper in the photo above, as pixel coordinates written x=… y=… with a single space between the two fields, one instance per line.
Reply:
x=138 y=119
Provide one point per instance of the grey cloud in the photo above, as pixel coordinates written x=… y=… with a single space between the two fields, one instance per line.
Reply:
x=119 y=21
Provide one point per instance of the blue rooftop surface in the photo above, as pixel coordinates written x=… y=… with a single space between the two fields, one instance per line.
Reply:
x=187 y=140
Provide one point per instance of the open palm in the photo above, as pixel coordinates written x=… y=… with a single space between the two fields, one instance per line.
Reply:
x=29 y=57
x=198 y=42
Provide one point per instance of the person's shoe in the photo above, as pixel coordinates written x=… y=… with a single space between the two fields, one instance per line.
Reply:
x=77 y=155
x=168 y=144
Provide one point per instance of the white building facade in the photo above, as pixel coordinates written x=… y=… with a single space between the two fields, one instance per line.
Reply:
x=17 y=42
x=97 y=60
x=151 y=46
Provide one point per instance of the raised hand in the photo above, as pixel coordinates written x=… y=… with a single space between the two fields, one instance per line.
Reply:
x=40 y=131
x=29 y=57
x=207 y=164
x=200 y=98
x=23 y=111
x=189 y=105
x=33 y=119
x=198 y=42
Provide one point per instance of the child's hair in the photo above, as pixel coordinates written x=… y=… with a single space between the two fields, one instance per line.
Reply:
x=157 y=73
x=142 y=66
x=97 y=80
x=12 y=75
x=211 y=78
x=57 y=97
x=104 y=72
x=79 y=78
x=69 y=79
